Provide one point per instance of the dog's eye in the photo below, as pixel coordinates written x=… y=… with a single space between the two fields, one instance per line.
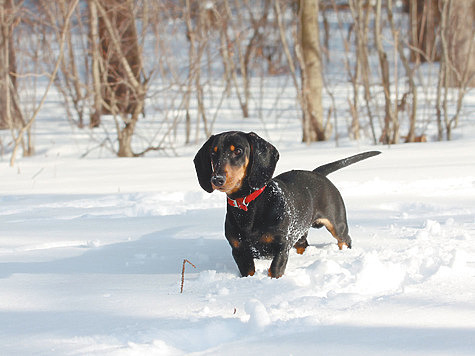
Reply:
x=237 y=151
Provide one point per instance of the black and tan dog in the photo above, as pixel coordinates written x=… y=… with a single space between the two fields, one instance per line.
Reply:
x=267 y=217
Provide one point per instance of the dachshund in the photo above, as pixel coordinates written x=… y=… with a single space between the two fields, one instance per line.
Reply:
x=268 y=216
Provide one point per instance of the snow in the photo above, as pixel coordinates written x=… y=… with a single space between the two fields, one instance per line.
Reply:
x=91 y=251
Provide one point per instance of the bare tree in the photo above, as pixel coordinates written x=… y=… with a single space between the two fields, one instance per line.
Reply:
x=197 y=43
x=458 y=42
x=18 y=138
x=361 y=13
x=123 y=92
x=457 y=64
x=95 y=54
x=243 y=37
x=390 y=132
x=311 y=68
x=11 y=116
x=399 y=44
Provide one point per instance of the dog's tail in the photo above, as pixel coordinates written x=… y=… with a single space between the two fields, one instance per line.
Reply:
x=328 y=168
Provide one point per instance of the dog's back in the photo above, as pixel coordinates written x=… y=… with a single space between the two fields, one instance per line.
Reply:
x=313 y=197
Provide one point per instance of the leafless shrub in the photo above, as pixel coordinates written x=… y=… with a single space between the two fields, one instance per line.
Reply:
x=18 y=136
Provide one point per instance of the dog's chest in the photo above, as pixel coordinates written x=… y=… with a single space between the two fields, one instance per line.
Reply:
x=269 y=223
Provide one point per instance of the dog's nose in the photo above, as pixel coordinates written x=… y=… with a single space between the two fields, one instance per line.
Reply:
x=218 y=180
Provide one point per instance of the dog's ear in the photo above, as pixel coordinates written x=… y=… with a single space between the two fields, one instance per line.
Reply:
x=263 y=159
x=203 y=165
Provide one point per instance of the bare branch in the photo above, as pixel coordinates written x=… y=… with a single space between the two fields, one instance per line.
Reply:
x=30 y=122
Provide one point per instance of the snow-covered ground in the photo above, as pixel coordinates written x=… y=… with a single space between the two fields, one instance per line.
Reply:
x=91 y=252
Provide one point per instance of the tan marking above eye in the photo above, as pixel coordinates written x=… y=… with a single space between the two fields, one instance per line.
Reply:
x=235 y=243
x=215 y=149
x=232 y=148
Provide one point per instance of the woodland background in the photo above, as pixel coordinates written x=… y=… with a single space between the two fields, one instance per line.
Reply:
x=403 y=66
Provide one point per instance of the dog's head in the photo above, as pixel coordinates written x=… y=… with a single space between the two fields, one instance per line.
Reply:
x=231 y=159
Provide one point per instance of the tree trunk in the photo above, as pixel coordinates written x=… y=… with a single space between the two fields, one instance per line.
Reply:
x=312 y=83
x=95 y=118
x=123 y=92
x=118 y=92
x=390 y=134
x=425 y=21
x=125 y=140
x=10 y=113
x=460 y=43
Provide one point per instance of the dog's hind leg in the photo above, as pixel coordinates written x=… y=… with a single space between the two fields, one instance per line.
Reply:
x=338 y=232
x=301 y=244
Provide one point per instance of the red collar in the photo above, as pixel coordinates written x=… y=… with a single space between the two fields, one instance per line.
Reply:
x=243 y=202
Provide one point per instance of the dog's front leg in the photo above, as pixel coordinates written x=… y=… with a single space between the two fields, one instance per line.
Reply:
x=279 y=262
x=244 y=260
